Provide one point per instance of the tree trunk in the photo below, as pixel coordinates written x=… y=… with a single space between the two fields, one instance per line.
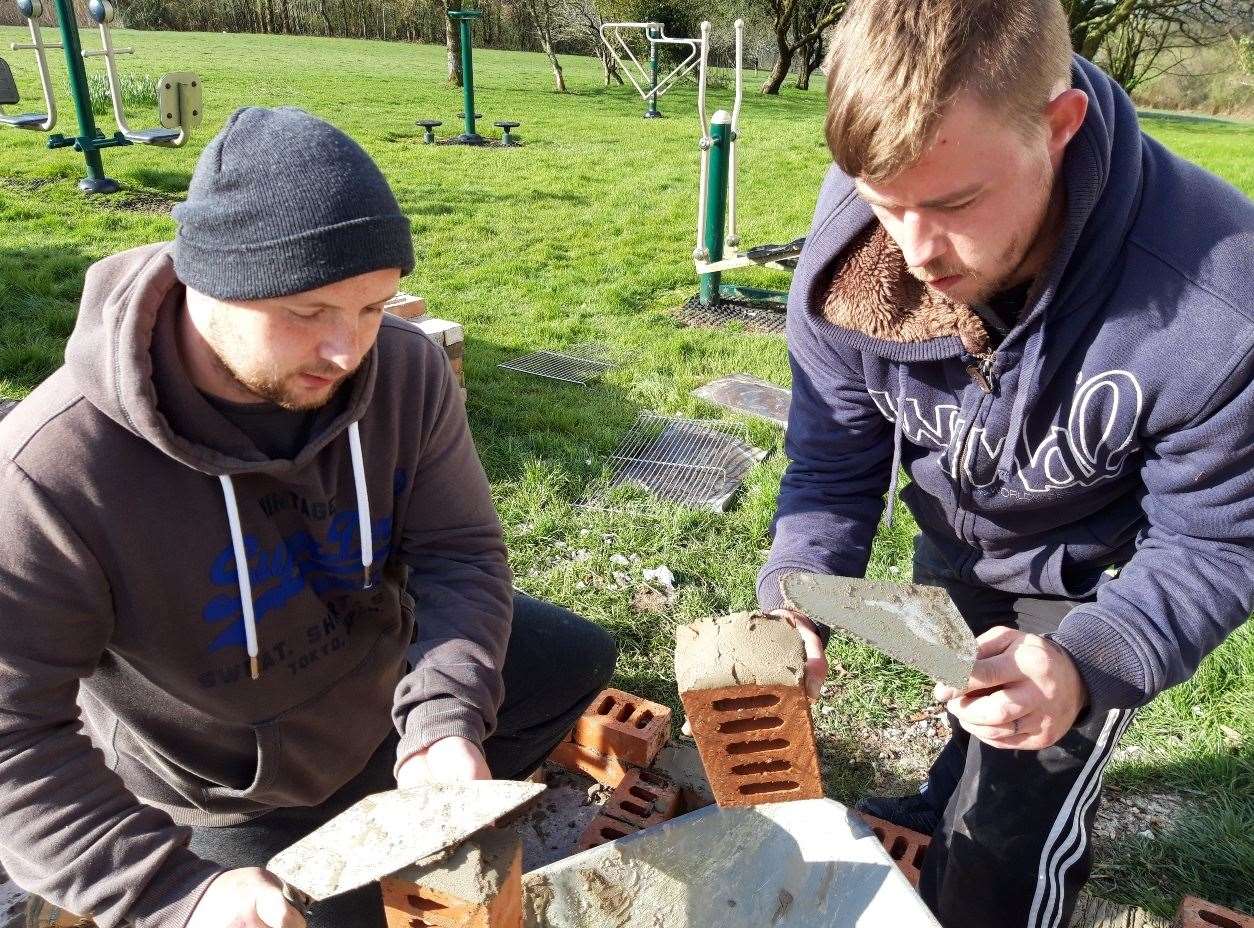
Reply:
x=783 y=64
x=808 y=63
x=559 y=79
x=452 y=45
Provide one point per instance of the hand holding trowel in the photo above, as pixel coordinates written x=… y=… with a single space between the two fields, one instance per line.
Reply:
x=389 y=831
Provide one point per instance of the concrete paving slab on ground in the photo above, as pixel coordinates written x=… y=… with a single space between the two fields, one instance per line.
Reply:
x=786 y=865
x=746 y=394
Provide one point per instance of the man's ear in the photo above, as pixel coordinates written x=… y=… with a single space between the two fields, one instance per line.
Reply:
x=1064 y=115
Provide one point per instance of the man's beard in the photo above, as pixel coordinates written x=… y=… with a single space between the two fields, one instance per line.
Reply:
x=270 y=384
x=985 y=287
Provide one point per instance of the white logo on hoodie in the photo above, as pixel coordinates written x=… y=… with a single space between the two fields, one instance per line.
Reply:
x=1099 y=435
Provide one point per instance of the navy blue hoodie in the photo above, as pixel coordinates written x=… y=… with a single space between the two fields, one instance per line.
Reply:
x=1114 y=426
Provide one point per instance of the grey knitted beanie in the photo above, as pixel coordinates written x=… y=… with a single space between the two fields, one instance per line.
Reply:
x=281 y=203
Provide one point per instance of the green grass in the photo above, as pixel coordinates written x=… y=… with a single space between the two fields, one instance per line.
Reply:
x=585 y=234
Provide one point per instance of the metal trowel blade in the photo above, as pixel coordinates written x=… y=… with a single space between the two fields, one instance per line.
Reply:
x=388 y=831
x=917 y=625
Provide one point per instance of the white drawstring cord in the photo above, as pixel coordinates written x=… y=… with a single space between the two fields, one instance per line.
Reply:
x=241 y=571
x=363 y=504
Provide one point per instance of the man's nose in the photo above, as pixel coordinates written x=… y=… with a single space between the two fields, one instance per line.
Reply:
x=920 y=241
x=339 y=347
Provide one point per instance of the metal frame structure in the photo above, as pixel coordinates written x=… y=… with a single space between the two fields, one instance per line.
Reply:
x=32 y=10
x=579 y=364
x=717 y=196
x=178 y=94
x=656 y=35
x=471 y=136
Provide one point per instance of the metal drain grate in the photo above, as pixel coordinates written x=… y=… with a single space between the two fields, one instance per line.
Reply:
x=755 y=317
x=579 y=364
x=692 y=462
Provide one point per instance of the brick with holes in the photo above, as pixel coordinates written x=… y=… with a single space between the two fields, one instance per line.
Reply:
x=602 y=830
x=642 y=800
x=608 y=771
x=740 y=680
x=621 y=725
x=479 y=885
x=1198 y=913
x=904 y=846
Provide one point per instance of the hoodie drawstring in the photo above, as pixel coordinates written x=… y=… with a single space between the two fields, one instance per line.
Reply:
x=241 y=555
x=897 y=432
x=363 y=504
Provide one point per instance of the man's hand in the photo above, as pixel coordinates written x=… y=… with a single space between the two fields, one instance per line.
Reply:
x=449 y=760
x=816 y=659
x=1024 y=693
x=245 y=898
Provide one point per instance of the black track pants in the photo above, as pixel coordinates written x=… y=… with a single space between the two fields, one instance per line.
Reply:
x=1014 y=845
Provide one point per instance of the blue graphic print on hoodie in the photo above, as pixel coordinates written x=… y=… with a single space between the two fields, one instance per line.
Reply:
x=1114 y=426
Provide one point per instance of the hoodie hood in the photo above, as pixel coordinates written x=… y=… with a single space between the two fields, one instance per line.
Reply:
x=872 y=304
x=122 y=355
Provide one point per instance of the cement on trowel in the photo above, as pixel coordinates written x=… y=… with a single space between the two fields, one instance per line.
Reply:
x=473 y=870
x=749 y=395
x=917 y=625
x=780 y=865
x=743 y=649
x=388 y=831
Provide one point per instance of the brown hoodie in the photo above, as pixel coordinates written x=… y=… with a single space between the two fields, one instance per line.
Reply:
x=120 y=597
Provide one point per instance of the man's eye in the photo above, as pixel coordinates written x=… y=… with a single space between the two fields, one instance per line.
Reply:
x=957 y=208
x=305 y=313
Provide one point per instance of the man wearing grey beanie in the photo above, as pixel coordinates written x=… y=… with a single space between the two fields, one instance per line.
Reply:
x=251 y=570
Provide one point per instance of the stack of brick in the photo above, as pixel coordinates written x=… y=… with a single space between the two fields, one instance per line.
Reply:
x=640 y=801
x=741 y=682
x=617 y=733
x=448 y=335
x=476 y=885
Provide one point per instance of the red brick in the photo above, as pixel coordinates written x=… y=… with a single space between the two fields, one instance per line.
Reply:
x=904 y=846
x=618 y=724
x=406 y=905
x=607 y=770
x=642 y=800
x=1198 y=913
x=756 y=743
x=602 y=830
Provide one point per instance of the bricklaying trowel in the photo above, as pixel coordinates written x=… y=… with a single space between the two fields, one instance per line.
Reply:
x=917 y=625
x=389 y=831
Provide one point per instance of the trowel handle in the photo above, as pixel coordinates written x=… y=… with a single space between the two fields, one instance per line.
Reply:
x=296 y=899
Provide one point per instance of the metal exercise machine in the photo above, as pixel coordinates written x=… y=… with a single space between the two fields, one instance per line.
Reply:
x=179 y=98
x=655 y=34
x=716 y=199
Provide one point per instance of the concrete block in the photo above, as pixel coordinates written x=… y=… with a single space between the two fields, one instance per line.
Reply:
x=406 y=305
x=756 y=742
x=917 y=625
x=749 y=395
x=578 y=759
x=476 y=885
x=642 y=800
x=785 y=865
x=1198 y=913
x=621 y=725
x=441 y=331
x=904 y=846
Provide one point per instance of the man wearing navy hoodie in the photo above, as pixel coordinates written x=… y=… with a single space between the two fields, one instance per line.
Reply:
x=1048 y=320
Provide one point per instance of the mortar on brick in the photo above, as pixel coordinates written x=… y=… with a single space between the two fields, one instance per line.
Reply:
x=918 y=625
x=473 y=870
x=743 y=649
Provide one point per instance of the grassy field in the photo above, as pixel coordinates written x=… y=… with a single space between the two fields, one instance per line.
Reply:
x=586 y=234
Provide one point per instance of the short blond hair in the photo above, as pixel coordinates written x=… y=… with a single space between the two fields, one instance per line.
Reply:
x=894 y=65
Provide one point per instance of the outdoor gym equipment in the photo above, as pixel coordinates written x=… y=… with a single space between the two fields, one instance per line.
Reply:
x=178 y=94
x=37 y=122
x=716 y=199
x=471 y=136
x=656 y=35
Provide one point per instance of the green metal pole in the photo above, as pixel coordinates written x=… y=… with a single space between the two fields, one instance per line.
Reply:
x=89 y=136
x=716 y=202
x=652 y=111
x=463 y=18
